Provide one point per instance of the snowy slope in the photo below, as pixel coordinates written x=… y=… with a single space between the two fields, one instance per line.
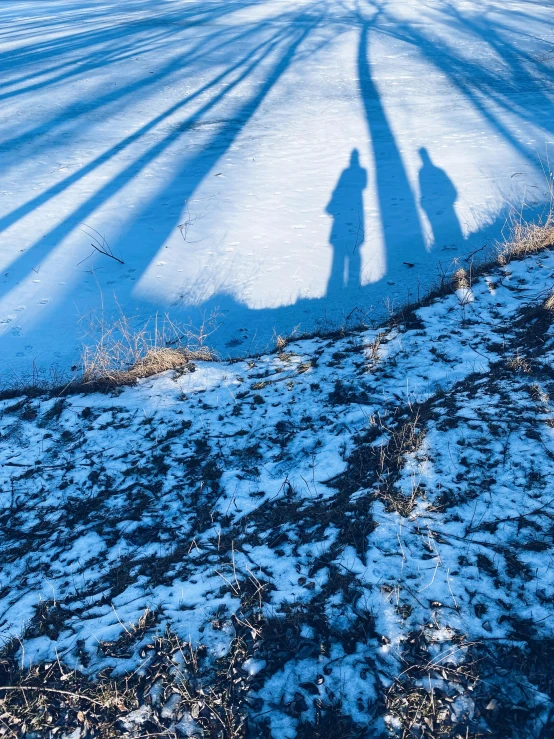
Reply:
x=355 y=533
x=212 y=145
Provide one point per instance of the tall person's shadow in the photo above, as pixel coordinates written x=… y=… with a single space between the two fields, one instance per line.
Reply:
x=438 y=196
x=347 y=232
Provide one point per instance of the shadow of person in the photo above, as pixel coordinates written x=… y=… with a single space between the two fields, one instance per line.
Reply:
x=347 y=232
x=438 y=195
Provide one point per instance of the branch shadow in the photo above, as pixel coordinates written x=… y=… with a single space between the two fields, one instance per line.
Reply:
x=283 y=42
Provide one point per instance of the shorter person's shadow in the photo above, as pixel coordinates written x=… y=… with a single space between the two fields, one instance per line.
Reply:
x=438 y=196
x=347 y=232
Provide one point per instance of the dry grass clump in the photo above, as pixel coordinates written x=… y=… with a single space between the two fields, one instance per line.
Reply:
x=460 y=279
x=518 y=363
x=100 y=369
x=122 y=353
x=549 y=302
x=471 y=690
x=175 y=682
x=527 y=238
x=280 y=343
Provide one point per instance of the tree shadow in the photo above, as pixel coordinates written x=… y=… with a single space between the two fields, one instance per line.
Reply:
x=520 y=85
x=282 y=42
x=402 y=234
x=271 y=46
x=408 y=260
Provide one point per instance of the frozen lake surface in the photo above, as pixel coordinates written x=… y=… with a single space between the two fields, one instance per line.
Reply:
x=284 y=162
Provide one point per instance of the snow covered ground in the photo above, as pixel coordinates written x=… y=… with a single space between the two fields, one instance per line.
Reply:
x=350 y=535
x=284 y=161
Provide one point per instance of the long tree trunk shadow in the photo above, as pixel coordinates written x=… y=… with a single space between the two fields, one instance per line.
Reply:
x=402 y=234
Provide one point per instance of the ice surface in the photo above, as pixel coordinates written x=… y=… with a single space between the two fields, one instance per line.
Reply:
x=284 y=161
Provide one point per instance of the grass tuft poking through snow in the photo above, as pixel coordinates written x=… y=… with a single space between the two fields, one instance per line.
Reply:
x=527 y=238
x=121 y=353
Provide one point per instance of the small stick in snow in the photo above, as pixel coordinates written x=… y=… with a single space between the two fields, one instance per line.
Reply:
x=100 y=245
